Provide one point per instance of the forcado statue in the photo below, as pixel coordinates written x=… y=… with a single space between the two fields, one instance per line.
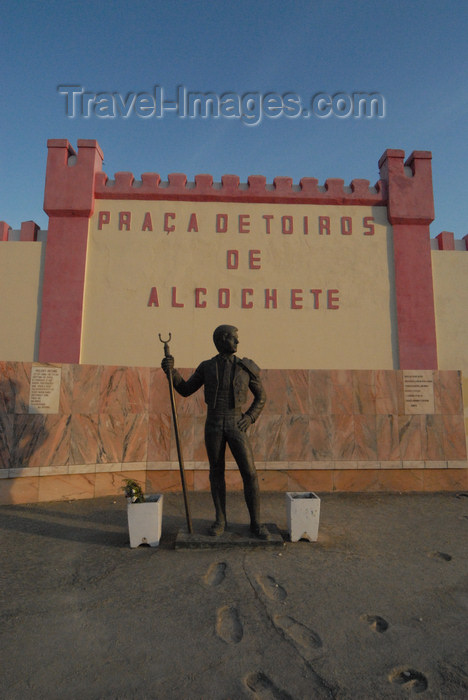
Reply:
x=226 y=380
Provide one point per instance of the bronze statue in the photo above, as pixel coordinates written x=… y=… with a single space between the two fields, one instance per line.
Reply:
x=226 y=379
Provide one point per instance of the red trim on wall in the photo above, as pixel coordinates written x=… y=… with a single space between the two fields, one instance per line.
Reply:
x=410 y=211
x=69 y=202
x=63 y=289
x=414 y=297
x=230 y=190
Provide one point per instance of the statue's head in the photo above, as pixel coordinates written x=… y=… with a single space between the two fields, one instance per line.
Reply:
x=225 y=338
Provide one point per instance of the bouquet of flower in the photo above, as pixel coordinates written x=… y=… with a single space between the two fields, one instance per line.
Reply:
x=133 y=491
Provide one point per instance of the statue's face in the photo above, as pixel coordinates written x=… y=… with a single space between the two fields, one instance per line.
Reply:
x=230 y=342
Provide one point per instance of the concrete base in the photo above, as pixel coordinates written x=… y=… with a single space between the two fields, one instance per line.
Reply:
x=234 y=536
x=303 y=512
x=145 y=521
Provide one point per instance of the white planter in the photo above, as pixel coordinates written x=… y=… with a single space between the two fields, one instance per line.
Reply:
x=303 y=511
x=145 y=521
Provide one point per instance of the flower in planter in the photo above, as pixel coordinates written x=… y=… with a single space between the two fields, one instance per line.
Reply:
x=133 y=491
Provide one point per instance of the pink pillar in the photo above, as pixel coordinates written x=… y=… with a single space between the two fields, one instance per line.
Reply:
x=29 y=231
x=4 y=230
x=446 y=240
x=69 y=202
x=410 y=211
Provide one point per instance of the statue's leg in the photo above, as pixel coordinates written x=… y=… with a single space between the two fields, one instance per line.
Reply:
x=241 y=449
x=215 y=443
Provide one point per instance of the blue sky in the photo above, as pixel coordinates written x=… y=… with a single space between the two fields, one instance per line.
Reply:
x=414 y=54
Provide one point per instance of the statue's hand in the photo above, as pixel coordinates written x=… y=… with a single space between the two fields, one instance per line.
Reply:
x=244 y=423
x=168 y=364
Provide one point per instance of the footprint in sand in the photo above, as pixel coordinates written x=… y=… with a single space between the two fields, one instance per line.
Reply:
x=228 y=625
x=413 y=680
x=376 y=622
x=263 y=688
x=308 y=640
x=271 y=589
x=215 y=574
x=440 y=555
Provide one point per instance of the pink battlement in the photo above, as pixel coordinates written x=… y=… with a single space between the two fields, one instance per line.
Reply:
x=282 y=191
x=29 y=231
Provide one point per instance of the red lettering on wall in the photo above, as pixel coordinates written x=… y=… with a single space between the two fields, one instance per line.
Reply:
x=221 y=223
x=287 y=224
x=333 y=299
x=306 y=225
x=103 y=218
x=153 y=297
x=169 y=227
x=125 y=218
x=268 y=218
x=324 y=225
x=224 y=298
x=147 y=223
x=254 y=259
x=193 y=223
x=244 y=303
x=200 y=303
x=271 y=296
x=296 y=298
x=316 y=294
x=244 y=223
x=232 y=259
x=175 y=303
x=346 y=225
x=370 y=226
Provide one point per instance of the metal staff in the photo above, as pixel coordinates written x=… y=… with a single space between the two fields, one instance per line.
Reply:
x=167 y=353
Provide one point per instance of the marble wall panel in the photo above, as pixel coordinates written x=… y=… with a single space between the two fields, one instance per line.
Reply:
x=445 y=479
x=15 y=379
x=297 y=445
x=321 y=431
x=66 y=486
x=388 y=443
x=268 y=438
x=343 y=437
x=454 y=443
x=86 y=388
x=386 y=392
x=159 y=437
x=320 y=392
x=84 y=440
x=135 y=438
x=124 y=390
x=342 y=387
x=365 y=437
x=24 y=490
x=310 y=480
x=450 y=398
x=110 y=438
x=364 y=398
x=6 y=440
x=410 y=437
x=168 y=481
x=53 y=447
x=432 y=438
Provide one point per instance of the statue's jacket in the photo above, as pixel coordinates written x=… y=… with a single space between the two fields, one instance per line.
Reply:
x=246 y=376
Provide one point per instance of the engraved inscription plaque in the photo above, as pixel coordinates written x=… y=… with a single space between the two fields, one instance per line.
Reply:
x=419 y=391
x=44 y=394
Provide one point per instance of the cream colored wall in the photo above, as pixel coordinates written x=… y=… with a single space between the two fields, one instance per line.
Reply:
x=21 y=266
x=450 y=273
x=123 y=266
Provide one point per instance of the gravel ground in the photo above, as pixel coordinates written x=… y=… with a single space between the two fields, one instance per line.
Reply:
x=377 y=608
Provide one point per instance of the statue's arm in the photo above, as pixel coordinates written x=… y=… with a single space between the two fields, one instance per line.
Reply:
x=189 y=386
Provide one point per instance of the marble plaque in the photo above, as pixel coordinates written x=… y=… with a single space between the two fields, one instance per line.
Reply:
x=44 y=393
x=419 y=391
